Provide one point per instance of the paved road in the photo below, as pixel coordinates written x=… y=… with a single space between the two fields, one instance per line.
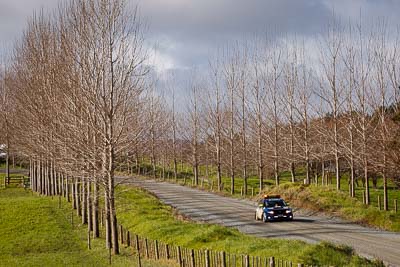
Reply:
x=207 y=207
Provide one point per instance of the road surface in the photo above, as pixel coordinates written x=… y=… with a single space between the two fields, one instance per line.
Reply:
x=211 y=208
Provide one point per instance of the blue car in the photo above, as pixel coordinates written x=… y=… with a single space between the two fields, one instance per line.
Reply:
x=273 y=207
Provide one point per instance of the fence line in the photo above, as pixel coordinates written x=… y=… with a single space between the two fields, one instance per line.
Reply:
x=146 y=248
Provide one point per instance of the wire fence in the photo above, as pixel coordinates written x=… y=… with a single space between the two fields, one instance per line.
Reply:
x=146 y=248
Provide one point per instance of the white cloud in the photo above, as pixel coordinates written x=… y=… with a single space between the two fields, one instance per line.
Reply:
x=161 y=61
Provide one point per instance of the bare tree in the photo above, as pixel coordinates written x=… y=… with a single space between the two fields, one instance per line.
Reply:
x=305 y=88
x=231 y=72
x=242 y=92
x=215 y=119
x=258 y=120
x=271 y=83
x=194 y=124
x=362 y=94
x=290 y=74
x=381 y=82
x=331 y=92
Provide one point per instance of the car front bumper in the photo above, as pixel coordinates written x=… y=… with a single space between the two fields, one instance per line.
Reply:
x=272 y=217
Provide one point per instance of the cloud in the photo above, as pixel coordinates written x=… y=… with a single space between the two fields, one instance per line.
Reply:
x=187 y=32
x=198 y=27
x=14 y=15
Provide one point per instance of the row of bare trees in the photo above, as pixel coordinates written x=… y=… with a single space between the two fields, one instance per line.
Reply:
x=275 y=105
x=73 y=94
x=75 y=101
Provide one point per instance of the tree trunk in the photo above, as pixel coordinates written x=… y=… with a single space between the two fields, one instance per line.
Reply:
x=89 y=206
x=276 y=163
x=107 y=219
x=352 y=178
x=84 y=206
x=8 y=163
x=95 y=208
x=78 y=197
x=367 y=197
x=219 y=176
x=292 y=167
x=260 y=158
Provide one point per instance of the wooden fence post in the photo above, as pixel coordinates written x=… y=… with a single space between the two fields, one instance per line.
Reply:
x=138 y=250
x=167 y=251
x=207 y=258
x=156 y=250
x=146 y=248
x=128 y=238
x=246 y=261
x=192 y=261
x=179 y=256
x=272 y=262
x=223 y=259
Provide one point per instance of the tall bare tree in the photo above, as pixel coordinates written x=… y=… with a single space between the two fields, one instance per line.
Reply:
x=331 y=91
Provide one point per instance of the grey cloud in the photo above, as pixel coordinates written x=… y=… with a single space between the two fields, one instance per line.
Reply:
x=210 y=19
x=189 y=30
x=14 y=15
x=198 y=27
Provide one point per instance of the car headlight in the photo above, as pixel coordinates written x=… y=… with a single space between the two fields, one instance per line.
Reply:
x=288 y=211
x=271 y=212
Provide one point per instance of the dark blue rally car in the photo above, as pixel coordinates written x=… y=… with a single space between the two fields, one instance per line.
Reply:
x=273 y=207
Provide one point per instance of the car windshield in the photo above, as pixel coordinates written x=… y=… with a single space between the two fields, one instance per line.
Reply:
x=270 y=203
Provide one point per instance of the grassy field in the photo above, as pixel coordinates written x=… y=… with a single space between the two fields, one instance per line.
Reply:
x=34 y=231
x=143 y=214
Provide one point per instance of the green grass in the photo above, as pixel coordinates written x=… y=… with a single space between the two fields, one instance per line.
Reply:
x=34 y=231
x=393 y=192
x=144 y=215
x=329 y=200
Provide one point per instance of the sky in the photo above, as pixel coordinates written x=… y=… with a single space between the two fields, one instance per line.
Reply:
x=185 y=33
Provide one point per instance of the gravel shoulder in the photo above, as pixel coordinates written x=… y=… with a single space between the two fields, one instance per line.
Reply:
x=212 y=208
